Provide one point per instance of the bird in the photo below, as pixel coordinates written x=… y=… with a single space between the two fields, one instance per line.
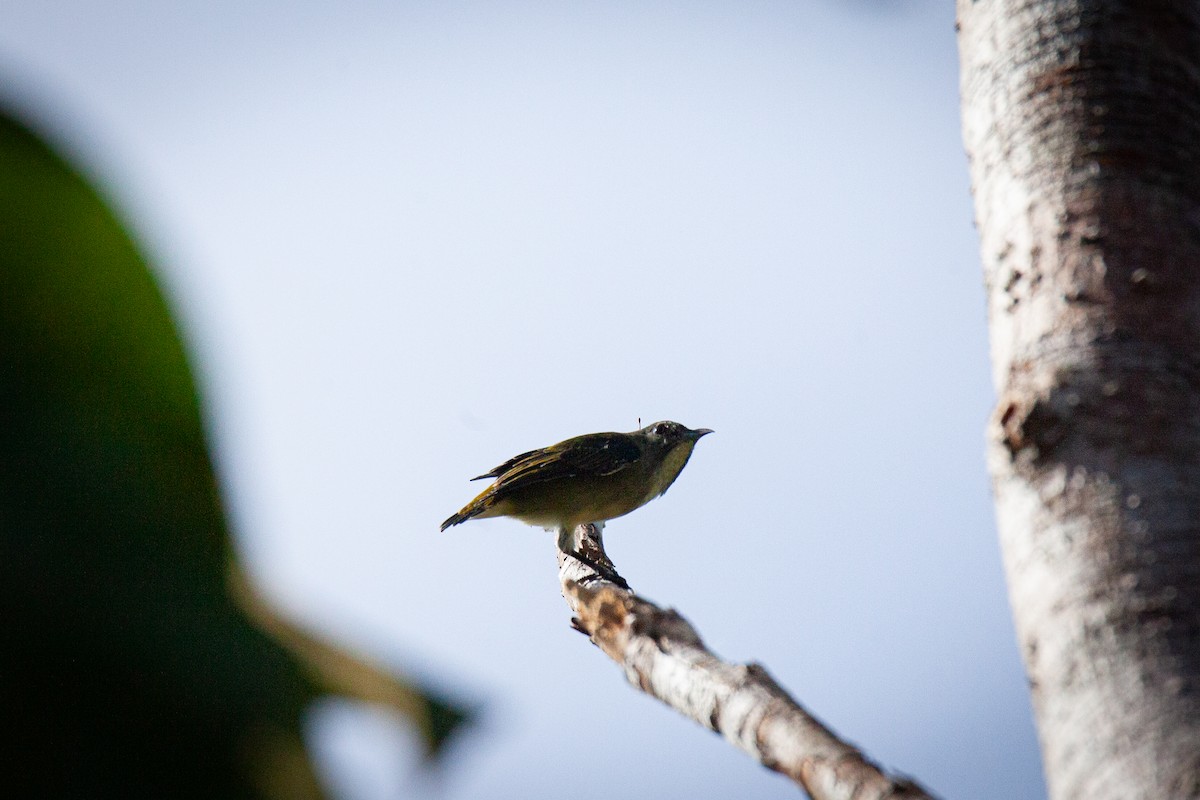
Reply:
x=591 y=478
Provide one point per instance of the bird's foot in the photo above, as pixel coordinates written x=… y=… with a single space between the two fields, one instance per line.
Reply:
x=605 y=571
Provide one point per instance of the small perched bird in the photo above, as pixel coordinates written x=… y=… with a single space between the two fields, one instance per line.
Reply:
x=590 y=478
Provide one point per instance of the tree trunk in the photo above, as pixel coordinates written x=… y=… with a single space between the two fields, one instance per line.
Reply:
x=1082 y=125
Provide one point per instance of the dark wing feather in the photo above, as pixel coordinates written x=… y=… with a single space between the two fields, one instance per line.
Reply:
x=496 y=472
x=593 y=454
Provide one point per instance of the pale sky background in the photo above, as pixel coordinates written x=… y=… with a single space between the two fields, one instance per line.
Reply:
x=409 y=240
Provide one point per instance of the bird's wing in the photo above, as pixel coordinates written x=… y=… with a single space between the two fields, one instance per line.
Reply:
x=496 y=472
x=594 y=454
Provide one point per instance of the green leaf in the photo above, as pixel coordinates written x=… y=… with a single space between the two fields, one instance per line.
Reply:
x=130 y=669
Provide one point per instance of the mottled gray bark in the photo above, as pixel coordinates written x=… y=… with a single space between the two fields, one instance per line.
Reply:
x=662 y=655
x=1082 y=124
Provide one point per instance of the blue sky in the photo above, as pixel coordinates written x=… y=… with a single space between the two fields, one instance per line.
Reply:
x=409 y=240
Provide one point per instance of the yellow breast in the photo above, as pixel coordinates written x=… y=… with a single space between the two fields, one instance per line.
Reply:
x=672 y=465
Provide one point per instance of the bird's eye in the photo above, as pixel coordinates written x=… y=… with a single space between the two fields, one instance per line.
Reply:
x=662 y=429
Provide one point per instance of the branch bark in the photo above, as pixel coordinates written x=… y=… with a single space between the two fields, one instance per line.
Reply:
x=662 y=655
x=1081 y=120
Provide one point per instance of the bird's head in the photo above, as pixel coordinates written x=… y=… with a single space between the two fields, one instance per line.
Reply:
x=668 y=434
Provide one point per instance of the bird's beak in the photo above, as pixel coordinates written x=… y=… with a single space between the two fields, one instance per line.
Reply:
x=696 y=434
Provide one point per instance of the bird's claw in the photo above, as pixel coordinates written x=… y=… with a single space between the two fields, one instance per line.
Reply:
x=603 y=571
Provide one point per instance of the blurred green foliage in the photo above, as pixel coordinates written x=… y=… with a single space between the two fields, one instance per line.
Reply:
x=129 y=668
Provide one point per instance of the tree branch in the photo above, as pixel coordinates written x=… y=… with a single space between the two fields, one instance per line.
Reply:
x=663 y=656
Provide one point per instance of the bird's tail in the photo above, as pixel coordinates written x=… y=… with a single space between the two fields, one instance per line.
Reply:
x=480 y=504
x=461 y=516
